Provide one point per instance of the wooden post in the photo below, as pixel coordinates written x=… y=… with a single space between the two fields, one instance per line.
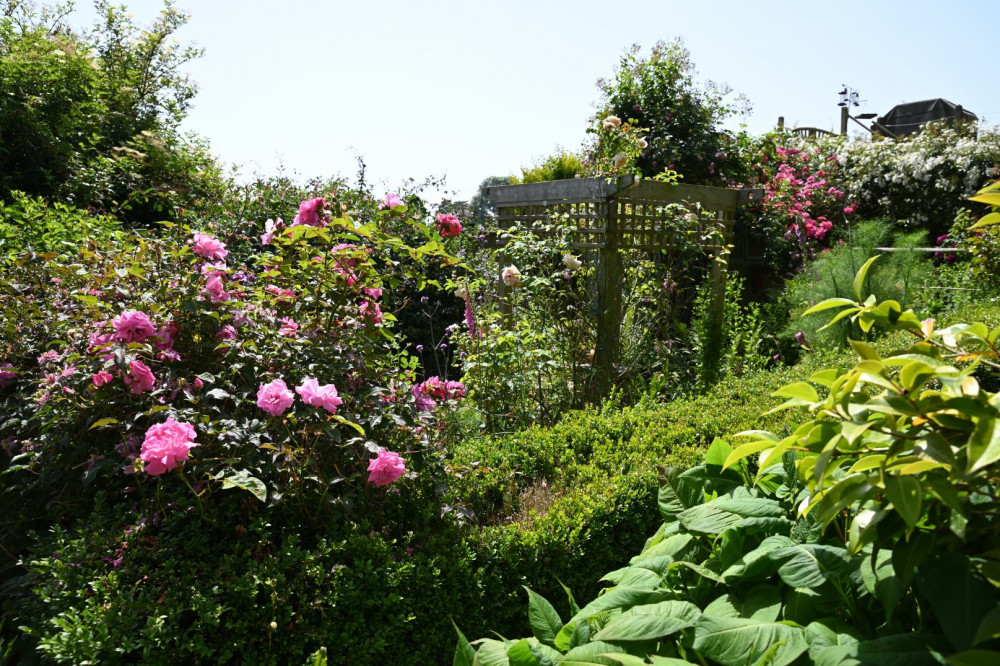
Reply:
x=843 y=120
x=609 y=306
x=718 y=279
x=781 y=123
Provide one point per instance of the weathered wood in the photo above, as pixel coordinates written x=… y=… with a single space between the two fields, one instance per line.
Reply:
x=556 y=191
x=607 y=350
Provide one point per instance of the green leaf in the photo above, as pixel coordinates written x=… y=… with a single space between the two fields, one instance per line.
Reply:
x=829 y=304
x=718 y=452
x=907 y=556
x=864 y=350
x=895 y=650
x=989 y=627
x=906 y=495
x=519 y=654
x=958 y=595
x=241 y=479
x=708 y=519
x=744 y=450
x=623 y=598
x=491 y=653
x=641 y=628
x=984 y=444
x=668 y=500
x=542 y=617
x=465 y=654
x=591 y=654
x=800 y=390
x=859 y=279
x=103 y=423
x=739 y=641
x=810 y=565
x=762 y=602
x=974 y=658
x=545 y=655
x=881 y=582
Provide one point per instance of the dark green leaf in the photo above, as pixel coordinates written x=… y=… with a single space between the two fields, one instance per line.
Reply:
x=739 y=641
x=542 y=617
x=810 y=565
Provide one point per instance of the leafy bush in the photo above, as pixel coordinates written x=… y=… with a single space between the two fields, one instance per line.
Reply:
x=558 y=166
x=31 y=222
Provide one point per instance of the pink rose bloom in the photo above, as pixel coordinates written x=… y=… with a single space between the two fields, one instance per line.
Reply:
x=374 y=293
x=319 y=396
x=166 y=444
x=311 y=213
x=289 y=328
x=48 y=357
x=454 y=390
x=140 y=378
x=392 y=200
x=424 y=402
x=386 y=468
x=370 y=312
x=209 y=247
x=132 y=326
x=215 y=289
x=7 y=373
x=275 y=398
x=101 y=378
x=227 y=332
x=271 y=227
x=448 y=225
x=848 y=210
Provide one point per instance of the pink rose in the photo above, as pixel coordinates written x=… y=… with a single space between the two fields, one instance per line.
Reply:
x=311 y=213
x=140 y=378
x=227 y=332
x=288 y=328
x=448 y=225
x=101 y=378
x=424 y=402
x=319 y=396
x=386 y=468
x=271 y=227
x=166 y=444
x=209 y=247
x=370 y=313
x=275 y=398
x=392 y=200
x=7 y=373
x=215 y=289
x=132 y=326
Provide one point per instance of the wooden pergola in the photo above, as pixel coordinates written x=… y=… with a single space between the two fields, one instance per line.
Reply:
x=612 y=217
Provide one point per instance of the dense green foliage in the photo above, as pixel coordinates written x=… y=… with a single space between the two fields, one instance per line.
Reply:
x=865 y=535
x=92 y=120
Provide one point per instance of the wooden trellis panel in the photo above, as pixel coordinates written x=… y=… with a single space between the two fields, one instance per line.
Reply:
x=612 y=217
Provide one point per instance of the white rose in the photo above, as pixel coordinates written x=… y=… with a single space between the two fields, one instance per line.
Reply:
x=612 y=121
x=643 y=144
x=619 y=160
x=511 y=276
x=462 y=292
x=571 y=262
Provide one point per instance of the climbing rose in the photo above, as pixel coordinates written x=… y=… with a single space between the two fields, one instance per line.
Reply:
x=271 y=227
x=209 y=247
x=448 y=225
x=386 y=468
x=132 y=326
x=511 y=276
x=216 y=289
x=140 y=378
x=311 y=213
x=101 y=378
x=612 y=121
x=392 y=200
x=166 y=444
x=275 y=398
x=319 y=396
x=571 y=262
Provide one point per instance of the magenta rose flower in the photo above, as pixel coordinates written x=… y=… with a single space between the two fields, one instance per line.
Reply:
x=166 y=444
x=209 y=247
x=386 y=468
x=425 y=403
x=392 y=200
x=275 y=397
x=101 y=378
x=216 y=289
x=324 y=396
x=311 y=213
x=448 y=225
x=132 y=326
x=140 y=378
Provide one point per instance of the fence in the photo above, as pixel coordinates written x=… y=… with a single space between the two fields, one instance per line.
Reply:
x=610 y=218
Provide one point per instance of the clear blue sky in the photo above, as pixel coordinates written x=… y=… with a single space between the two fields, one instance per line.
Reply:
x=469 y=89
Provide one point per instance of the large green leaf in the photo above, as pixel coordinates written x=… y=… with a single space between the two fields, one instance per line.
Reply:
x=974 y=658
x=809 y=564
x=742 y=642
x=241 y=479
x=958 y=595
x=668 y=499
x=519 y=654
x=762 y=602
x=859 y=279
x=896 y=650
x=591 y=654
x=465 y=654
x=641 y=628
x=491 y=652
x=906 y=496
x=707 y=519
x=542 y=617
x=984 y=444
x=881 y=581
x=623 y=598
x=756 y=564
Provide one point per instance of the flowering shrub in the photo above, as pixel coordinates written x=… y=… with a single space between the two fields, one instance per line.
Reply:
x=156 y=346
